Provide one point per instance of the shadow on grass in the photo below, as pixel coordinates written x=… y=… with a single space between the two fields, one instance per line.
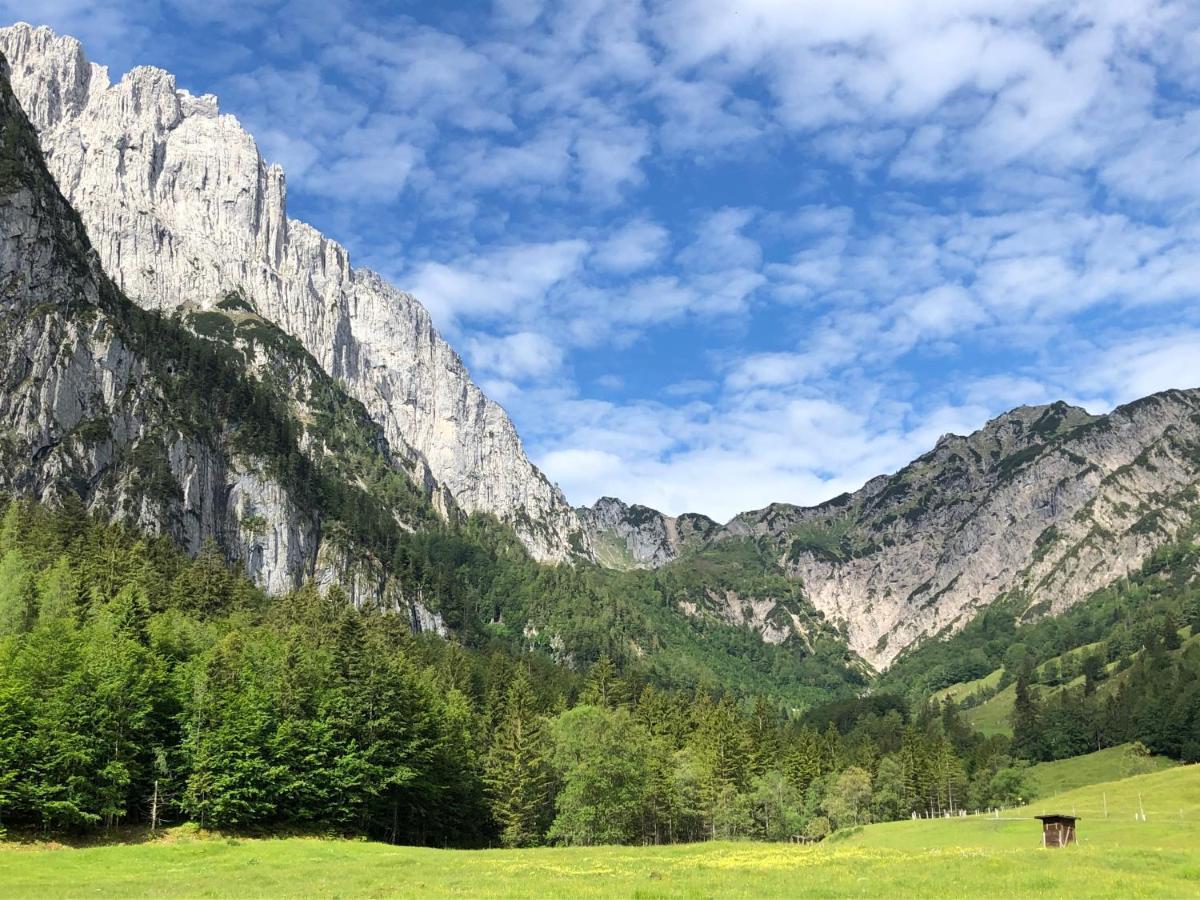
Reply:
x=131 y=835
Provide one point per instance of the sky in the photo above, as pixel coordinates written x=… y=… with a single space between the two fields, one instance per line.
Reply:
x=715 y=255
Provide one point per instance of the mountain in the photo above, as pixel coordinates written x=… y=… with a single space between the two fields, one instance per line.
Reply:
x=213 y=425
x=1045 y=504
x=307 y=417
x=240 y=440
x=183 y=211
x=635 y=537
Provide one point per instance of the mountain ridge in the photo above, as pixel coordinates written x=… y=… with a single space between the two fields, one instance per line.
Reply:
x=148 y=421
x=1097 y=494
x=182 y=210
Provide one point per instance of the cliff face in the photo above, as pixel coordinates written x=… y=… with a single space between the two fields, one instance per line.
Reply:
x=637 y=537
x=198 y=437
x=1046 y=503
x=183 y=210
x=86 y=413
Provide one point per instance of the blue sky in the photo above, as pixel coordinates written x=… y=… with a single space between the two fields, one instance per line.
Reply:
x=714 y=255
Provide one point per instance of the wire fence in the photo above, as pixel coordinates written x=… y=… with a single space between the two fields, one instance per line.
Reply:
x=1104 y=807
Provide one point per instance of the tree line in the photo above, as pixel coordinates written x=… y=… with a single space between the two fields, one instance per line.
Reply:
x=138 y=687
x=1155 y=700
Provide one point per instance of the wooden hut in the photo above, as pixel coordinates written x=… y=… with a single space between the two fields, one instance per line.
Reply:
x=1057 y=830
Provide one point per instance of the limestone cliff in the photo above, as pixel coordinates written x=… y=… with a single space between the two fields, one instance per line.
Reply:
x=1045 y=503
x=183 y=210
x=637 y=537
x=149 y=421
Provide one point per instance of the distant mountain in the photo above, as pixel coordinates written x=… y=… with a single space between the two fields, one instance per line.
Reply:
x=1044 y=503
x=183 y=211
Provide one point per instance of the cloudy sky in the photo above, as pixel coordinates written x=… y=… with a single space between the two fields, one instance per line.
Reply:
x=711 y=255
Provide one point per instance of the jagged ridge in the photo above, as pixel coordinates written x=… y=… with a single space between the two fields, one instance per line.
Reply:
x=183 y=210
x=1044 y=503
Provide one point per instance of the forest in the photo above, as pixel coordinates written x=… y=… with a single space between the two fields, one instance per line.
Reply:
x=138 y=687
x=1112 y=669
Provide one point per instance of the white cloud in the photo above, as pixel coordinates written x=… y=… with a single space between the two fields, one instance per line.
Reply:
x=1142 y=365
x=759 y=446
x=854 y=197
x=495 y=285
x=544 y=159
x=633 y=247
x=943 y=310
x=720 y=243
x=370 y=172
x=770 y=370
x=751 y=450
x=610 y=159
x=524 y=354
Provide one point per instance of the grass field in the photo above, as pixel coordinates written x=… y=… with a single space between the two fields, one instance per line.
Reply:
x=1110 y=764
x=992 y=716
x=965 y=689
x=1118 y=856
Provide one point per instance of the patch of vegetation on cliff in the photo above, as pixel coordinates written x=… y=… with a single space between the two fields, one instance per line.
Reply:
x=827 y=540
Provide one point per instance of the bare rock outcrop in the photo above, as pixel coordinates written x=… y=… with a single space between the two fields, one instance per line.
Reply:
x=182 y=210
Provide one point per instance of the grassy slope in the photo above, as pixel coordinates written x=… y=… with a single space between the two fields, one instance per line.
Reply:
x=978 y=856
x=992 y=716
x=1171 y=799
x=1110 y=764
x=967 y=688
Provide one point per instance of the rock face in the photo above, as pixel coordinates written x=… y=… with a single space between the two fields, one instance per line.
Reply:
x=183 y=210
x=1043 y=503
x=86 y=413
x=236 y=437
x=637 y=537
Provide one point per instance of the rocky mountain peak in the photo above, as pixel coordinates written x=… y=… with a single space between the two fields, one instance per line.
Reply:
x=1047 y=503
x=183 y=210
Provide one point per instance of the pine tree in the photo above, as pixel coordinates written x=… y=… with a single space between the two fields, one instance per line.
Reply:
x=1093 y=672
x=229 y=723
x=721 y=750
x=915 y=775
x=18 y=594
x=1026 y=719
x=802 y=763
x=516 y=770
x=603 y=686
x=764 y=738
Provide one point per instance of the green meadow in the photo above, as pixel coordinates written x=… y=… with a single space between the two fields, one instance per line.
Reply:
x=1119 y=855
x=1109 y=764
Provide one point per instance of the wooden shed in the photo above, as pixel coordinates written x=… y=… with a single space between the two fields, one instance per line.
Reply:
x=1057 y=830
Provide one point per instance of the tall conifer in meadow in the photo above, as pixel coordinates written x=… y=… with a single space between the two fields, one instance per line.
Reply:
x=516 y=769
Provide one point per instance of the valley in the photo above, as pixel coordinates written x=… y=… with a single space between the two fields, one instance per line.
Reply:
x=938 y=858
x=286 y=608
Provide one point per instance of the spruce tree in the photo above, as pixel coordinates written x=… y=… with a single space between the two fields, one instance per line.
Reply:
x=516 y=769
x=604 y=687
x=1026 y=719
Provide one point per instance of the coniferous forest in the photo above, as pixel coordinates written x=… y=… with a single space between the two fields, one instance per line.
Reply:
x=138 y=687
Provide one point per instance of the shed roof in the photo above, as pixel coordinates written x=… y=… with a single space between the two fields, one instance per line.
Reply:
x=1056 y=817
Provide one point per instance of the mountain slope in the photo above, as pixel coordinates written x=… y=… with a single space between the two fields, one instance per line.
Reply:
x=1045 y=504
x=148 y=421
x=214 y=425
x=183 y=210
